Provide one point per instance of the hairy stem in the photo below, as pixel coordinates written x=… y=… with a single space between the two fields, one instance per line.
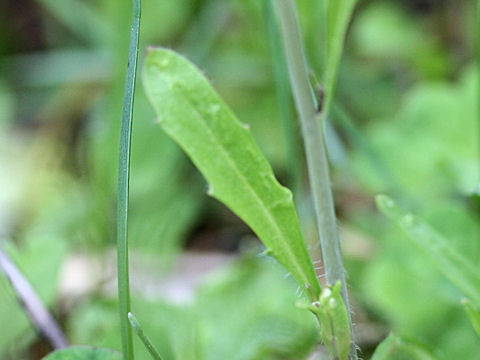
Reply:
x=315 y=151
x=123 y=188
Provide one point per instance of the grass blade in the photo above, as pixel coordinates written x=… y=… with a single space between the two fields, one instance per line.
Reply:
x=224 y=150
x=456 y=268
x=123 y=187
x=477 y=38
x=146 y=341
x=284 y=103
x=473 y=314
x=338 y=17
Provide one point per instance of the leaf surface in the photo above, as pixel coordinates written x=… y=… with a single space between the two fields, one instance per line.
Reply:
x=224 y=150
x=454 y=266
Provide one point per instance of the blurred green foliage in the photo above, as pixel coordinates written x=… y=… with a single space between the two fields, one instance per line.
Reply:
x=407 y=91
x=232 y=317
x=84 y=353
x=397 y=348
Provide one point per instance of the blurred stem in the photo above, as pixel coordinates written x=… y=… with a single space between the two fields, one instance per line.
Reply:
x=29 y=299
x=283 y=94
x=323 y=6
x=123 y=187
x=315 y=36
x=315 y=151
x=477 y=35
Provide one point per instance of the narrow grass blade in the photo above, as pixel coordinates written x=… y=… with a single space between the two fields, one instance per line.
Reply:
x=284 y=103
x=38 y=313
x=397 y=348
x=123 y=188
x=146 y=341
x=339 y=13
x=224 y=150
x=477 y=36
x=456 y=268
x=473 y=314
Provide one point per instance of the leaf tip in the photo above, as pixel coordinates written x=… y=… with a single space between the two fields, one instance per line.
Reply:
x=159 y=57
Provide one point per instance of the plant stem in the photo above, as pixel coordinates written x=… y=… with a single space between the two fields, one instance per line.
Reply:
x=123 y=187
x=315 y=151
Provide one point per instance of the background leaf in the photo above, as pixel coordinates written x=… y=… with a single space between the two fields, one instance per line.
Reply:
x=397 y=348
x=459 y=270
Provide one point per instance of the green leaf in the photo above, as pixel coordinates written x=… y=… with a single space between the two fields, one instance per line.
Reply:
x=339 y=13
x=84 y=353
x=396 y=348
x=224 y=150
x=455 y=267
x=473 y=314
